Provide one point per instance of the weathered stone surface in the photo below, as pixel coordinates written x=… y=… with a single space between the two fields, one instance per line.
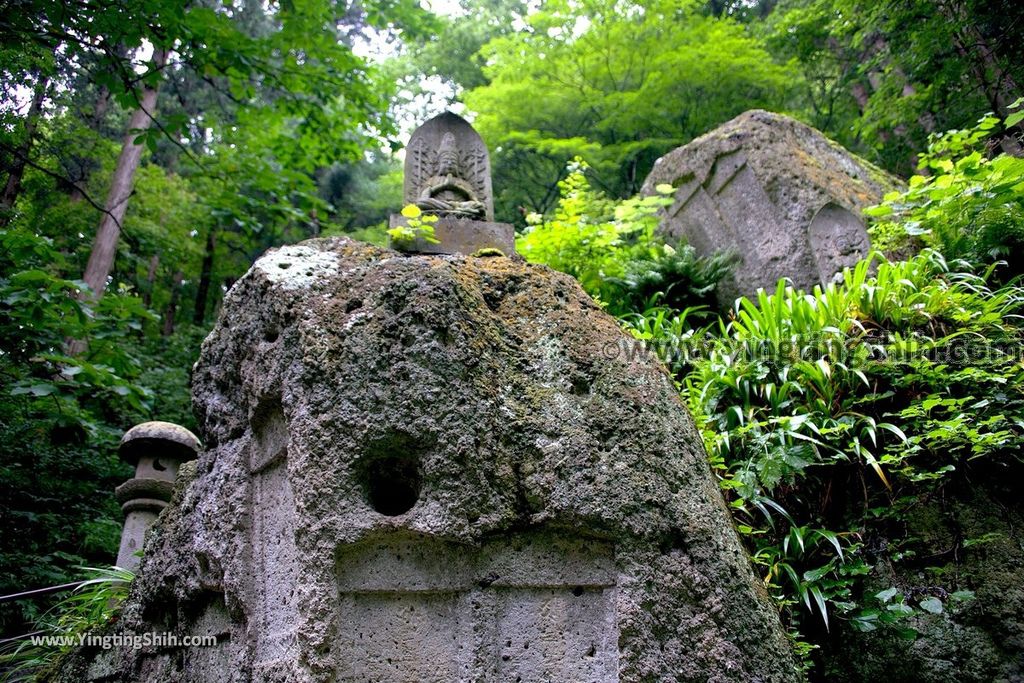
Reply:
x=777 y=193
x=441 y=468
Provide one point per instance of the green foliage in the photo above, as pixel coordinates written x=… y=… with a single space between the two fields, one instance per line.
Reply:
x=675 y=336
x=287 y=61
x=166 y=372
x=371 y=234
x=255 y=101
x=451 y=56
x=43 y=310
x=61 y=417
x=610 y=247
x=887 y=384
x=620 y=83
x=881 y=76
x=361 y=194
x=969 y=206
x=673 y=278
x=89 y=608
x=418 y=226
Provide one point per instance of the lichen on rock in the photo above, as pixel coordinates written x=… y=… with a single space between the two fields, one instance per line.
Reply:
x=295 y=266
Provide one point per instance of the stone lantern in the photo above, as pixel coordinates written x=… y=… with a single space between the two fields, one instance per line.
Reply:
x=157 y=449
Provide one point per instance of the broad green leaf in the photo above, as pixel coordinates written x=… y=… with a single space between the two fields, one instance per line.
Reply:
x=1014 y=119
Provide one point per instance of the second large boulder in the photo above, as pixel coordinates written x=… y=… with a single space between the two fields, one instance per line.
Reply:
x=777 y=193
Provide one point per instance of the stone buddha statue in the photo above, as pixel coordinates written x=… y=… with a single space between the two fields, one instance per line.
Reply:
x=447 y=170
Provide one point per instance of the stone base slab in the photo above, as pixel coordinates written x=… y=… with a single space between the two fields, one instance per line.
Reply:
x=461 y=236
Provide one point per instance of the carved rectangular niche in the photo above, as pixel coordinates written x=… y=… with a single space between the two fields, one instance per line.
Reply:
x=535 y=607
x=275 y=557
x=210 y=663
x=275 y=560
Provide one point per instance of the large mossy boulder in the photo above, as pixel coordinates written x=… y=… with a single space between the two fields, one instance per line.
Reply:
x=779 y=195
x=440 y=468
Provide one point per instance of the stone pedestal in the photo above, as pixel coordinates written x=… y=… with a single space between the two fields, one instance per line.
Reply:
x=462 y=236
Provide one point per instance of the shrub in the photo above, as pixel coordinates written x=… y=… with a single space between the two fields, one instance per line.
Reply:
x=825 y=413
x=611 y=248
x=89 y=608
x=969 y=206
x=61 y=420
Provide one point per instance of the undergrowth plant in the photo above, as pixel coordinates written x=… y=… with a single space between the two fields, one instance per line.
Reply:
x=827 y=411
x=90 y=607
x=418 y=226
x=968 y=205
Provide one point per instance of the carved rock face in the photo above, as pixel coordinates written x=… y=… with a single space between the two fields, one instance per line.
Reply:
x=777 y=194
x=446 y=163
x=442 y=468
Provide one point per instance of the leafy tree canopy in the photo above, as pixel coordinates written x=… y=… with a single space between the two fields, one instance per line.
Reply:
x=616 y=83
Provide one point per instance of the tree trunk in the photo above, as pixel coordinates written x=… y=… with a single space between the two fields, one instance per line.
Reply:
x=860 y=95
x=104 y=247
x=13 y=187
x=172 y=305
x=203 y=289
x=998 y=85
x=99 y=112
x=314 y=223
x=147 y=293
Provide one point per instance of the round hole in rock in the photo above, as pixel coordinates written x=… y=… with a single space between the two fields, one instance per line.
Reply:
x=393 y=484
